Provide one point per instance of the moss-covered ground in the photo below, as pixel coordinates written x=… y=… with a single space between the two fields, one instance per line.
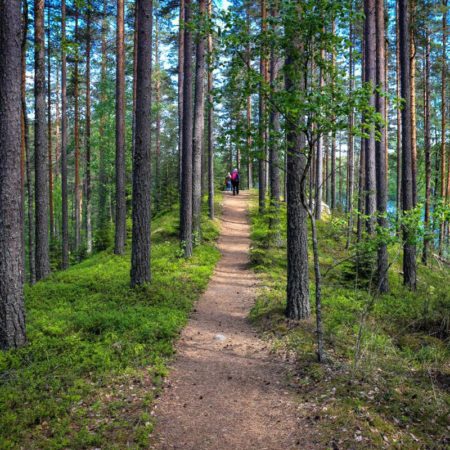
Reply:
x=396 y=394
x=97 y=350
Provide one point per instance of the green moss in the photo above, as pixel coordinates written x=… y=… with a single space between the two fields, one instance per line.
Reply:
x=86 y=330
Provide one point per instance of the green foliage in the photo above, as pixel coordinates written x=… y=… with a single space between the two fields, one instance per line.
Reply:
x=92 y=339
x=397 y=395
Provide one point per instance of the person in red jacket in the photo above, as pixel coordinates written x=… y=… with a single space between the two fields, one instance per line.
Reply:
x=235 y=181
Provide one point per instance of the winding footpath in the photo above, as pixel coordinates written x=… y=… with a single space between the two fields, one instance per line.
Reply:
x=226 y=391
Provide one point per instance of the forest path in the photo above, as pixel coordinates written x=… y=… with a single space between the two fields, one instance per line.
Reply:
x=225 y=390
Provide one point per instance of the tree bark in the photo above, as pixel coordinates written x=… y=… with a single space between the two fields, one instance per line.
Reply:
x=26 y=147
x=412 y=50
x=140 y=249
x=49 y=125
x=76 y=134
x=319 y=160
x=428 y=233
x=262 y=113
x=298 y=306
x=210 y=120
x=64 y=191
x=12 y=310
x=409 y=247
x=333 y=136
x=370 y=71
x=121 y=213
x=40 y=146
x=157 y=77
x=88 y=130
x=274 y=147
x=186 y=179
x=249 y=105
x=350 y=144
x=380 y=148
x=399 y=120
x=444 y=192
x=199 y=121
x=180 y=91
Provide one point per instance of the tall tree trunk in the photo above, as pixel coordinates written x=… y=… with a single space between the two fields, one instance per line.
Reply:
x=121 y=213
x=370 y=71
x=298 y=306
x=350 y=143
x=140 y=249
x=210 y=119
x=12 y=310
x=26 y=146
x=133 y=124
x=327 y=170
x=333 y=135
x=103 y=217
x=380 y=148
x=362 y=163
x=199 y=121
x=274 y=147
x=49 y=124
x=88 y=129
x=428 y=233
x=262 y=113
x=409 y=247
x=412 y=50
x=319 y=160
x=444 y=192
x=76 y=135
x=180 y=91
x=57 y=162
x=399 y=121
x=249 y=105
x=157 y=76
x=64 y=192
x=186 y=179
x=40 y=146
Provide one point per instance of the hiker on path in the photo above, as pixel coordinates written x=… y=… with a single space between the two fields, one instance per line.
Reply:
x=235 y=181
x=228 y=182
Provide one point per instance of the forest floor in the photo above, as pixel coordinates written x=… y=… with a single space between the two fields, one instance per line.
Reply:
x=226 y=389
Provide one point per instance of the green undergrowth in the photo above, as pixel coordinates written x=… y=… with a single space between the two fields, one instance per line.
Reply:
x=97 y=349
x=397 y=393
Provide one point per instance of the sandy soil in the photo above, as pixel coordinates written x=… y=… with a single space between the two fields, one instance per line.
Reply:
x=226 y=391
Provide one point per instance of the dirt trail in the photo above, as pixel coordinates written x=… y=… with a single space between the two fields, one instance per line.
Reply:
x=225 y=390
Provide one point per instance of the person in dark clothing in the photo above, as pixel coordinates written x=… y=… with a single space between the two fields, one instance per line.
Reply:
x=235 y=181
